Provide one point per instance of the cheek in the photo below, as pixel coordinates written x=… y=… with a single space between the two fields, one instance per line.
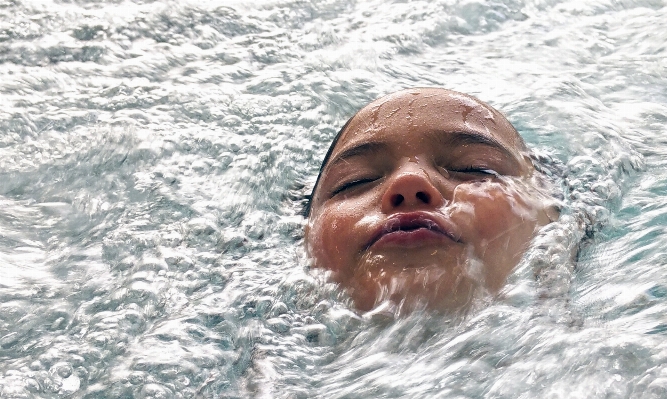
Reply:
x=331 y=237
x=490 y=211
x=498 y=221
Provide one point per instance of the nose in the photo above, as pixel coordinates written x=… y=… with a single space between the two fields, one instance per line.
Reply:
x=411 y=187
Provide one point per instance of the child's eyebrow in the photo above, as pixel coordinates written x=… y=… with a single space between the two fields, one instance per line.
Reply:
x=362 y=149
x=446 y=138
x=456 y=139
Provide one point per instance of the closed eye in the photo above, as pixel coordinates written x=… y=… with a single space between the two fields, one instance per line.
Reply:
x=352 y=184
x=472 y=170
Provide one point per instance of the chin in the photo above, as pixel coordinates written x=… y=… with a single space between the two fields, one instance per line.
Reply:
x=409 y=288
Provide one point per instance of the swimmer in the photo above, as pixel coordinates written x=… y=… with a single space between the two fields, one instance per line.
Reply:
x=426 y=198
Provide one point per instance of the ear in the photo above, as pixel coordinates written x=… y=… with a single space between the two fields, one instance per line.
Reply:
x=553 y=212
x=549 y=214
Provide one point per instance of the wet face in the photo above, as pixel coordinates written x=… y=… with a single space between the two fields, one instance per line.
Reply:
x=425 y=200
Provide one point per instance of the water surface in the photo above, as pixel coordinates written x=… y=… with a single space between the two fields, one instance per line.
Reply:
x=153 y=156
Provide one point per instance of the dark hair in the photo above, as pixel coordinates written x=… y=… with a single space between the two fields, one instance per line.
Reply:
x=309 y=198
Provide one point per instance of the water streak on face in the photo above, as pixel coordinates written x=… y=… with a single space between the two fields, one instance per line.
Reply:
x=425 y=199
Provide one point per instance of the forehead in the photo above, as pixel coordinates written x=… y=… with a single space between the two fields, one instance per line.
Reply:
x=410 y=113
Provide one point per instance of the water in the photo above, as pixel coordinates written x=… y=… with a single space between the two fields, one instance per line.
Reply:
x=153 y=157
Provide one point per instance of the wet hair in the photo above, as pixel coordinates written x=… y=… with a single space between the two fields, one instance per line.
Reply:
x=309 y=198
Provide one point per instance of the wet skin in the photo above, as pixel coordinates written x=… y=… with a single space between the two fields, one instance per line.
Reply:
x=425 y=200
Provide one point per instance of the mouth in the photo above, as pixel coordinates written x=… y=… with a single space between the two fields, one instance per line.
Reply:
x=413 y=229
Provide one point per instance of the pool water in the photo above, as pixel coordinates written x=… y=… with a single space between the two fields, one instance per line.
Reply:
x=154 y=157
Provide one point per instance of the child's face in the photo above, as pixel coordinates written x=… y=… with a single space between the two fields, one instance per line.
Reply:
x=425 y=199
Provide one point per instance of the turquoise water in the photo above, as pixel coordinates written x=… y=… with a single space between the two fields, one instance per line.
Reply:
x=153 y=156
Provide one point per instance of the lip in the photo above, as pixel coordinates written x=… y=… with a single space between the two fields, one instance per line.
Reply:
x=413 y=229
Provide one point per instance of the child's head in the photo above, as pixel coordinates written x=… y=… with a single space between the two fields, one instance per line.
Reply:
x=424 y=197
